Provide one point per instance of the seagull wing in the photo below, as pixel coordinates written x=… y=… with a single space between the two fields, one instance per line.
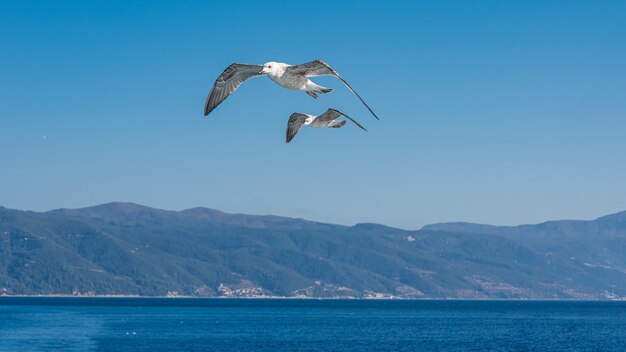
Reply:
x=232 y=77
x=332 y=114
x=320 y=68
x=295 y=124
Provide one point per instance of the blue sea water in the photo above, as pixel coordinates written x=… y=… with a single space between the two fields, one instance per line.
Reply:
x=136 y=324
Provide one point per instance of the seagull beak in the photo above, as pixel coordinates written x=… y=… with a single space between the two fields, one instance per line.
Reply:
x=262 y=72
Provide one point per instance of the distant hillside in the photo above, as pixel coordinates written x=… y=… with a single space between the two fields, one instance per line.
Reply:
x=129 y=249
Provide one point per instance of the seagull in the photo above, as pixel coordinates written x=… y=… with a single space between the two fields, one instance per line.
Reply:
x=325 y=120
x=289 y=76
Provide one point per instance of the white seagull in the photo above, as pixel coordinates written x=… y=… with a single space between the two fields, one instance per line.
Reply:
x=325 y=120
x=285 y=75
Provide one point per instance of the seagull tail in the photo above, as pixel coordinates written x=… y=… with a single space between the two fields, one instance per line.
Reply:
x=337 y=124
x=318 y=89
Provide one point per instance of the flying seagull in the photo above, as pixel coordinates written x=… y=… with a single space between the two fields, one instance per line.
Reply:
x=325 y=120
x=288 y=76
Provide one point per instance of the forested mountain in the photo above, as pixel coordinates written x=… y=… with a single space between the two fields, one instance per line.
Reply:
x=129 y=249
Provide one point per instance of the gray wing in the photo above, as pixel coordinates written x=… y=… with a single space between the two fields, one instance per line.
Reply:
x=296 y=120
x=320 y=68
x=332 y=114
x=232 y=77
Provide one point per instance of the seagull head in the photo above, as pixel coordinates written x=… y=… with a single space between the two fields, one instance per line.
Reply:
x=270 y=68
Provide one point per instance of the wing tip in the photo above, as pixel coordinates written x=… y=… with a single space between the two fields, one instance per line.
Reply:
x=208 y=108
x=350 y=118
x=289 y=137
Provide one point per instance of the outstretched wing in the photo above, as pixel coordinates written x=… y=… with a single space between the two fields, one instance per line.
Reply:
x=232 y=77
x=295 y=123
x=320 y=68
x=332 y=114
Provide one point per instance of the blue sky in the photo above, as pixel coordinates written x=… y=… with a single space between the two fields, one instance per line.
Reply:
x=492 y=111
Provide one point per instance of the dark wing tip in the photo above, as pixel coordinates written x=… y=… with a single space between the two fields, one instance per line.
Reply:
x=290 y=134
x=293 y=126
x=350 y=118
x=347 y=85
x=209 y=105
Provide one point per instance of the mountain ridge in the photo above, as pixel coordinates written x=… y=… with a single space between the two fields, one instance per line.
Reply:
x=123 y=248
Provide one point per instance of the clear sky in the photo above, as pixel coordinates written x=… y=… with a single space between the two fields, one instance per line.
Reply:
x=501 y=112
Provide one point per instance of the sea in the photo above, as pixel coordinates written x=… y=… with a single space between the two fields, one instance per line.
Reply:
x=194 y=324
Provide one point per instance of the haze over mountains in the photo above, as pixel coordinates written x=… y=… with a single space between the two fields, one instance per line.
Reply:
x=129 y=249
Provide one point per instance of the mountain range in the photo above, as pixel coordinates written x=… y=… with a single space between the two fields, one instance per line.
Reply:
x=129 y=249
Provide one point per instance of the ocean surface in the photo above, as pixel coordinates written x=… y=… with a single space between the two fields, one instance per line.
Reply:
x=137 y=324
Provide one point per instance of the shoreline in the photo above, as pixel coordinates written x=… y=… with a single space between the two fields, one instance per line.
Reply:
x=114 y=297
